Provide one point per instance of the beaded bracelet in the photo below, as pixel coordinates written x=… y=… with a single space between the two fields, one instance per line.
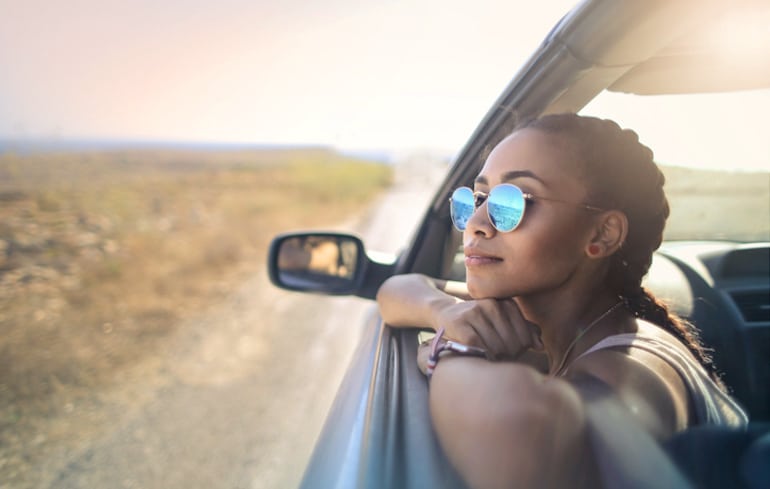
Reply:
x=439 y=345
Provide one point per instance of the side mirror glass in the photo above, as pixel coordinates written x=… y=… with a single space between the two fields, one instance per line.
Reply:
x=328 y=263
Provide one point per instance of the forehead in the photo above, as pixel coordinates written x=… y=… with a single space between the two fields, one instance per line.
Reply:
x=547 y=156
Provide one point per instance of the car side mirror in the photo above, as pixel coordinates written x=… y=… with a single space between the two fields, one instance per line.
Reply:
x=326 y=263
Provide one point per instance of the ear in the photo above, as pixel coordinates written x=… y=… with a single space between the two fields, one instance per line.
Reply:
x=609 y=234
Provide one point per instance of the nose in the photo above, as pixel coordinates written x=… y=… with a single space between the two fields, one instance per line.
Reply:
x=479 y=223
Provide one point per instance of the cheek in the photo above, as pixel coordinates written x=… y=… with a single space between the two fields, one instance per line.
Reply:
x=538 y=258
x=558 y=230
x=488 y=286
x=553 y=259
x=558 y=241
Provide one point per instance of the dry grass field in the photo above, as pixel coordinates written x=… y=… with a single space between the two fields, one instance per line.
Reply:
x=717 y=205
x=102 y=254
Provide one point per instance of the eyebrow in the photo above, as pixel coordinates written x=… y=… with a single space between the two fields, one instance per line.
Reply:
x=512 y=175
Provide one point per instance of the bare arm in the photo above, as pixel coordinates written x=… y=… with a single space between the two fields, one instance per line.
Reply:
x=505 y=425
x=414 y=299
x=496 y=325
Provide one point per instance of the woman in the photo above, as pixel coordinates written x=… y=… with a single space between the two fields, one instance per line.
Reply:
x=558 y=232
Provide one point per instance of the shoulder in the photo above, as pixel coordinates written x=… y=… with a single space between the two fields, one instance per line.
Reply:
x=645 y=383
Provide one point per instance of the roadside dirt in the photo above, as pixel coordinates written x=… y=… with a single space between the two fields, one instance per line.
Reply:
x=233 y=397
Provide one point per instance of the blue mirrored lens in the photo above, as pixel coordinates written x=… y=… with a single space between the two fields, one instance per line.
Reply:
x=505 y=207
x=462 y=207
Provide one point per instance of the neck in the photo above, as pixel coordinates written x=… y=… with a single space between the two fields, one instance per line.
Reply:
x=564 y=328
x=558 y=368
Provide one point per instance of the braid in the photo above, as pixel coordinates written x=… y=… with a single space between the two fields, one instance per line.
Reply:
x=644 y=305
x=620 y=173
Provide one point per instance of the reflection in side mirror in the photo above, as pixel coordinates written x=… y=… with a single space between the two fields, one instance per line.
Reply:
x=317 y=262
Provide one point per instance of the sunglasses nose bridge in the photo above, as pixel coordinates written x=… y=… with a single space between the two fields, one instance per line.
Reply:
x=480 y=219
x=465 y=211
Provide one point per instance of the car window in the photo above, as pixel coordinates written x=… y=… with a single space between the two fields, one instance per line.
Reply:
x=714 y=153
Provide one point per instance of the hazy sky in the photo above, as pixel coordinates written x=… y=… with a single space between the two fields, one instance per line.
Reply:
x=352 y=73
x=355 y=74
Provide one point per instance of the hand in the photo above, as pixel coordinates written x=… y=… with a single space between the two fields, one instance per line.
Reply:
x=495 y=325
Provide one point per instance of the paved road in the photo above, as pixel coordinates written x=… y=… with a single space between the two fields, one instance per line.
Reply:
x=243 y=390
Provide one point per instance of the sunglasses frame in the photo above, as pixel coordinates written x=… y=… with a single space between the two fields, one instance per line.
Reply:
x=527 y=197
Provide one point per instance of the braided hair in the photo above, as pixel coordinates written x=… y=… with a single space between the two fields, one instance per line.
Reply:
x=620 y=173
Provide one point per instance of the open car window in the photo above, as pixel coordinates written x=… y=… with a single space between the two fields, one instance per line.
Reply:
x=714 y=155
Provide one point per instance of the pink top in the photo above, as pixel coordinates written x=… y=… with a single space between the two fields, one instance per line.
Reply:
x=712 y=405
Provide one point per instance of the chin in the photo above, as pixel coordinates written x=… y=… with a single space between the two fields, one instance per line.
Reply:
x=481 y=290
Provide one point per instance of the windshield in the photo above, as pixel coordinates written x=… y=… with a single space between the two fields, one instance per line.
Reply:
x=714 y=153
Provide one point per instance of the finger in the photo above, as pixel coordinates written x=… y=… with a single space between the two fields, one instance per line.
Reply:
x=484 y=324
x=517 y=332
x=536 y=332
x=458 y=323
x=489 y=329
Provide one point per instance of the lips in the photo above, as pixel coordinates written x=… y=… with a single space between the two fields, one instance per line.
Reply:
x=477 y=257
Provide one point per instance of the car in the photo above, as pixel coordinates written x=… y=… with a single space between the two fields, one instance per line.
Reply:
x=378 y=432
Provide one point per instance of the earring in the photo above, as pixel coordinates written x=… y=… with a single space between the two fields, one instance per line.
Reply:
x=594 y=249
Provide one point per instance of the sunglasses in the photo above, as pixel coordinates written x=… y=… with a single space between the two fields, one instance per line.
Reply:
x=506 y=204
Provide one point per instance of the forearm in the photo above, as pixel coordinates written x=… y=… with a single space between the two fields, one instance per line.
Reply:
x=414 y=299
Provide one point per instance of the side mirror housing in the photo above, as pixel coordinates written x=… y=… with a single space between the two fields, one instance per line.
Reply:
x=325 y=263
